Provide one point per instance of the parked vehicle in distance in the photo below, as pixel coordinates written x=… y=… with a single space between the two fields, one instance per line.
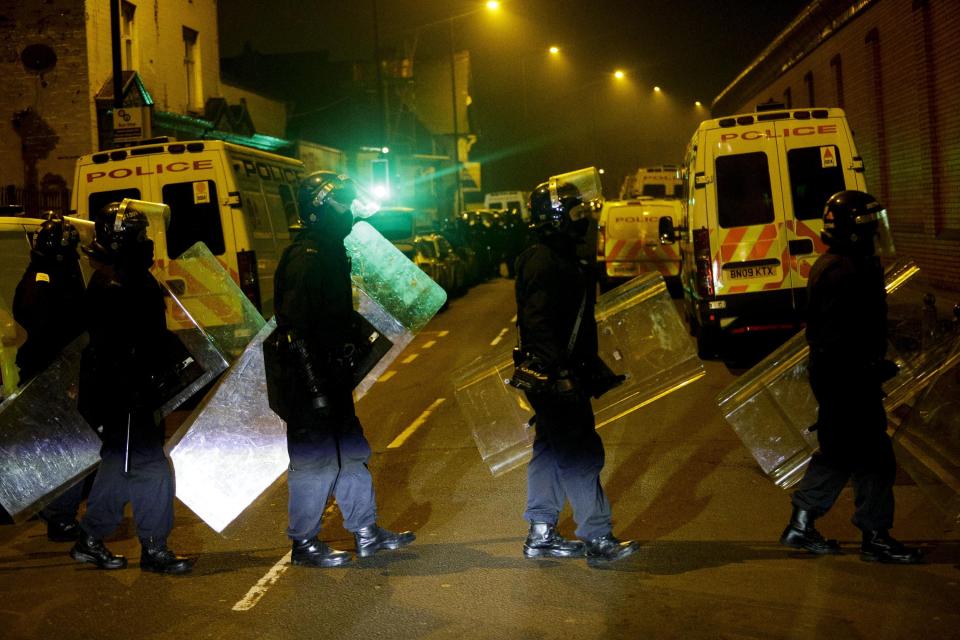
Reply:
x=397 y=225
x=654 y=182
x=508 y=201
x=436 y=257
x=628 y=242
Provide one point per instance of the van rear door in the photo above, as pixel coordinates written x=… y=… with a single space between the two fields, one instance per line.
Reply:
x=744 y=210
x=817 y=159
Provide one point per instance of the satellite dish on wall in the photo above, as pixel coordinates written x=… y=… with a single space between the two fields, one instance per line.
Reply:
x=38 y=58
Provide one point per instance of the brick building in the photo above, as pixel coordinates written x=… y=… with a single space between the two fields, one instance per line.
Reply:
x=893 y=66
x=56 y=101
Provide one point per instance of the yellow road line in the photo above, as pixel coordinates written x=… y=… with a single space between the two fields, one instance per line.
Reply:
x=410 y=358
x=427 y=345
x=387 y=375
x=416 y=424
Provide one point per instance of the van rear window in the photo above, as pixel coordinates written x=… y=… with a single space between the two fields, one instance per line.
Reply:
x=815 y=175
x=744 y=196
x=194 y=217
x=655 y=190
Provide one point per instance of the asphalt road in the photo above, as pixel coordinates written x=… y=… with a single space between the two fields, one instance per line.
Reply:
x=678 y=478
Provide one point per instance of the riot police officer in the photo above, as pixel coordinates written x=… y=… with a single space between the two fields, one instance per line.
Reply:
x=556 y=293
x=328 y=452
x=125 y=317
x=846 y=331
x=47 y=296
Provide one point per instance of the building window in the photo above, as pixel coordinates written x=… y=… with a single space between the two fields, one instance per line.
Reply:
x=191 y=67
x=788 y=98
x=128 y=35
x=837 y=66
x=808 y=80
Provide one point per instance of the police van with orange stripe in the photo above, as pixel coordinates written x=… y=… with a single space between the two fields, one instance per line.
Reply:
x=628 y=243
x=754 y=190
x=238 y=201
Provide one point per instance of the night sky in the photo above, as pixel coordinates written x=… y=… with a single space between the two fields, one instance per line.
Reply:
x=536 y=117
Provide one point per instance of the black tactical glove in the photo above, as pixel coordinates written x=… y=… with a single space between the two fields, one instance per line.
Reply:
x=884 y=370
x=529 y=374
x=602 y=378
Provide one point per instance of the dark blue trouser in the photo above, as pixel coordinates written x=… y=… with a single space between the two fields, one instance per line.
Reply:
x=64 y=508
x=328 y=456
x=851 y=429
x=148 y=487
x=567 y=459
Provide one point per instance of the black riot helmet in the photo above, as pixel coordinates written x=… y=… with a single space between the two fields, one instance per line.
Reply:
x=120 y=234
x=855 y=223
x=56 y=239
x=328 y=201
x=555 y=207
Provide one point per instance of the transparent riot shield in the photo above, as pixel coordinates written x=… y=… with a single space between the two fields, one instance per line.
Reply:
x=771 y=406
x=45 y=446
x=12 y=336
x=233 y=447
x=641 y=336
x=927 y=442
x=208 y=297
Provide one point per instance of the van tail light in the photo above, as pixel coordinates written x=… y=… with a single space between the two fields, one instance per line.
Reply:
x=249 y=277
x=701 y=256
x=601 y=243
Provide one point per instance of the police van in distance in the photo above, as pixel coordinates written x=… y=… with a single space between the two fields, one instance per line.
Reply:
x=653 y=182
x=753 y=195
x=238 y=201
x=628 y=242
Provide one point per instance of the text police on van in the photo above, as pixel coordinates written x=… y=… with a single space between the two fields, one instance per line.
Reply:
x=170 y=167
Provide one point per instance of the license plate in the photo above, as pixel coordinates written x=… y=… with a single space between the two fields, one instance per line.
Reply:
x=749 y=273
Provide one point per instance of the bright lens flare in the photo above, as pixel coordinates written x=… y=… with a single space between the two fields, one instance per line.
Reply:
x=493 y=5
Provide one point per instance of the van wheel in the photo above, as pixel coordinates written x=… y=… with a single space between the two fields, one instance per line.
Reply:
x=708 y=343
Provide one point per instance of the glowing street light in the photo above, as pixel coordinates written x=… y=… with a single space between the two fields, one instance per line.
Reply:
x=493 y=5
x=698 y=104
x=619 y=75
x=657 y=89
x=554 y=50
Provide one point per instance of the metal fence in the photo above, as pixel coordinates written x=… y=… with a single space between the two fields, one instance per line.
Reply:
x=36 y=200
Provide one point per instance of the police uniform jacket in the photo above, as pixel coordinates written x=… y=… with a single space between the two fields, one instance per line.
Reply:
x=46 y=304
x=124 y=361
x=551 y=285
x=313 y=297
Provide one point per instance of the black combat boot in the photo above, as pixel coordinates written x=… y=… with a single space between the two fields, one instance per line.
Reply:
x=543 y=541
x=880 y=546
x=606 y=549
x=63 y=530
x=313 y=553
x=156 y=557
x=801 y=534
x=373 y=538
x=90 y=549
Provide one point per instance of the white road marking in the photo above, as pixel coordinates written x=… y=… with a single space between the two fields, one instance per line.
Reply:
x=513 y=320
x=387 y=375
x=416 y=424
x=410 y=358
x=259 y=590
x=443 y=333
x=427 y=345
x=497 y=340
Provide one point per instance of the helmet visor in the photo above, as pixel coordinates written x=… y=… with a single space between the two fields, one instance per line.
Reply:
x=587 y=182
x=882 y=239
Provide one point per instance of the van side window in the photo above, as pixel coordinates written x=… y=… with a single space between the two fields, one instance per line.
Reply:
x=194 y=217
x=289 y=204
x=744 y=196
x=812 y=183
x=97 y=201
